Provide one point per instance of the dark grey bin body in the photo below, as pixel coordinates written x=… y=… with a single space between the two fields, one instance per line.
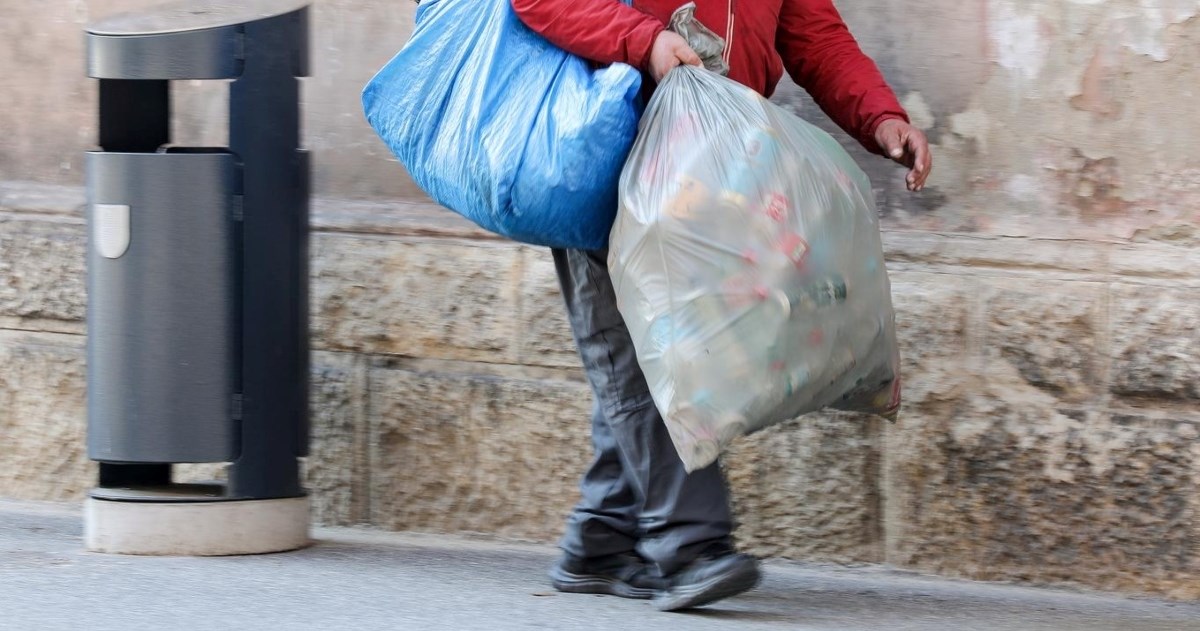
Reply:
x=198 y=257
x=162 y=323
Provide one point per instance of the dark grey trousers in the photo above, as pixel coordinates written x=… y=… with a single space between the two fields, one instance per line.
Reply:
x=636 y=496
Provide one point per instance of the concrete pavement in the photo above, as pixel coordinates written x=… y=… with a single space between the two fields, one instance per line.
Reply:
x=353 y=579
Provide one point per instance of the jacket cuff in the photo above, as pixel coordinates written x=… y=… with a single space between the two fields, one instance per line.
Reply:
x=641 y=45
x=867 y=140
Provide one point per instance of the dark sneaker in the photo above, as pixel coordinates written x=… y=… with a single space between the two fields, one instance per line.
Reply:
x=712 y=577
x=624 y=575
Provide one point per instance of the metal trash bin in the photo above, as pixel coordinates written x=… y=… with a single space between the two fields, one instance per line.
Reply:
x=198 y=280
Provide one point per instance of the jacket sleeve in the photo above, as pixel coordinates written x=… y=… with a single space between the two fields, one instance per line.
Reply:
x=604 y=31
x=823 y=58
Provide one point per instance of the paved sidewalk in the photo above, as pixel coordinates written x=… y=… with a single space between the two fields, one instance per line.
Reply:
x=355 y=579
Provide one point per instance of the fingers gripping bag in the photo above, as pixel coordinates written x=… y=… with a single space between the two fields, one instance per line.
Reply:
x=747 y=262
x=504 y=128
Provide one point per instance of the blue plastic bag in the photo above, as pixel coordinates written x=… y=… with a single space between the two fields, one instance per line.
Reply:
x=503 y=127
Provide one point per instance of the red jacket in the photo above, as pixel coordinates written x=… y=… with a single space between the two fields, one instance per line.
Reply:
x=807 y=37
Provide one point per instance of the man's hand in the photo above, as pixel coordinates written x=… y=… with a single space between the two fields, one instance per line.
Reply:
x=669 y=51
x=906 y=145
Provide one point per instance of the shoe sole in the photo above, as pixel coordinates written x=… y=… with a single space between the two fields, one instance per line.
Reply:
x=716 y=588
x=592 y=584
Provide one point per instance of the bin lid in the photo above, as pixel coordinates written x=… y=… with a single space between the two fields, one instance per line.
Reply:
x=192 y=15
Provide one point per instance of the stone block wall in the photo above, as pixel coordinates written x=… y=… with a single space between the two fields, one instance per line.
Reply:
x=1049 y=432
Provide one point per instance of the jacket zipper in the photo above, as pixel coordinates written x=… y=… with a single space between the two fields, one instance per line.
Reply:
x=729 y=25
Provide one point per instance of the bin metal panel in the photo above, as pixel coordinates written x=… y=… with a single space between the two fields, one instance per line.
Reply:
x=163 y=298
x=183 y=16
x=213 y=54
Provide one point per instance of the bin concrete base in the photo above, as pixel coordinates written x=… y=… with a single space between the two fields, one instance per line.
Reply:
x=196 y=528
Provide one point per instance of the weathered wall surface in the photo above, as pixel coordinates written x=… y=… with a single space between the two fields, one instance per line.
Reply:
x=47 y=111
x=1063 y=119
x=1047 y=287
x=1049 y=119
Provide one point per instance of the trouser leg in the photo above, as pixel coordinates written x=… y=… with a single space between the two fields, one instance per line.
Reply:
x=605 y=520
x=677 y=514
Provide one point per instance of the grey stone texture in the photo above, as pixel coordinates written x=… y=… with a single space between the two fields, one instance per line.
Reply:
x=42 y=417
x=335 y=470
x=933 y=313
x=475 y=453
x=995 y=479
x=416 y=298
x=42 y=264
x=1050 y=332
x=545 y=334
x=1156 y=342
x=809 y=490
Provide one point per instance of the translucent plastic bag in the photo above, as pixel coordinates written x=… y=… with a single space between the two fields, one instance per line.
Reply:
x=499 y=125
x=747 y=262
